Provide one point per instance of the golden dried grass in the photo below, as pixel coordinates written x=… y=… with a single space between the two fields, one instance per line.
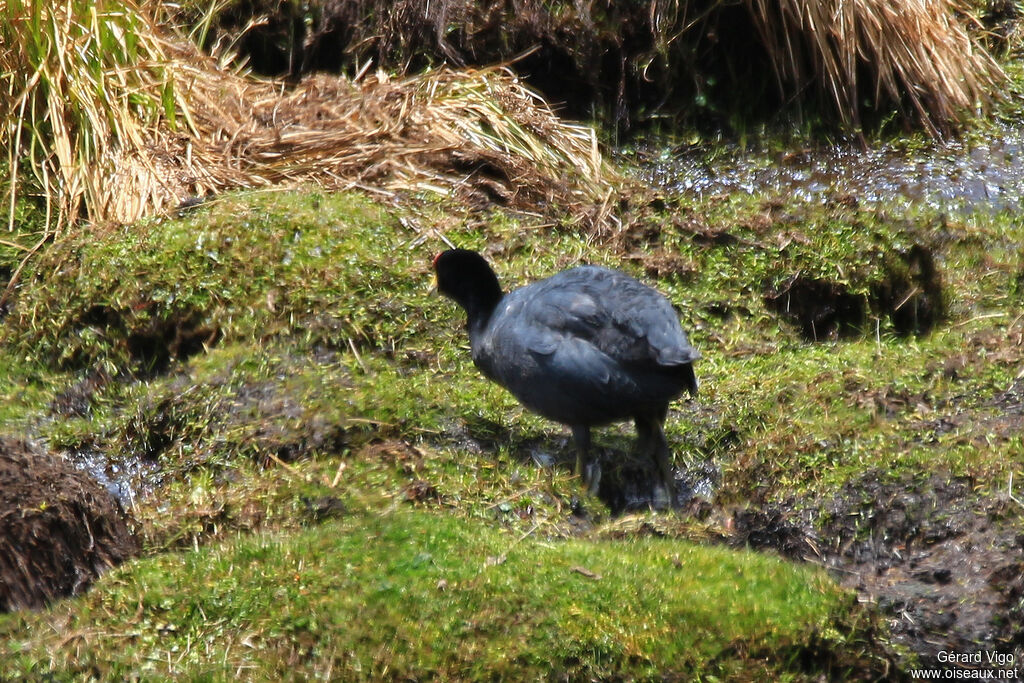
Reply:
x=117 y=120
x=917 y=52
x=81 y=80
x=478 y=133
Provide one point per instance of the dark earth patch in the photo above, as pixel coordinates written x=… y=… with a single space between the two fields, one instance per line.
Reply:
x=149 y=344
x=59 y=529
x=944 y=563
x=157 y=343
x=822 y=310
x=911 y=293
x=910 y=296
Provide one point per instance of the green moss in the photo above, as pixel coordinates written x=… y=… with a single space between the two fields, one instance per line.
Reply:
x=326 y=337
x=422 y=595
x=327 y=269
x=26 y=391
x=307 y=374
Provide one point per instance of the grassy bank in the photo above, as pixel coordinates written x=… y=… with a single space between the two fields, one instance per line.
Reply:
x=424 y=595
x=315 y=438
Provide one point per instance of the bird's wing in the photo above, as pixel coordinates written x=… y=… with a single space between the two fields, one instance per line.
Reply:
x=581 y=368
x=648 y=328
x=624 y=320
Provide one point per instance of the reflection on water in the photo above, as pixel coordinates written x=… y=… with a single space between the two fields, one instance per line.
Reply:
x=627 y=489
x=126 y=479
x=953 y=175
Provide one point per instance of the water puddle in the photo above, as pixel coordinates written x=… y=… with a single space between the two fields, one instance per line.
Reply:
x=127 y=480
x=983 y=174
x=626 y=489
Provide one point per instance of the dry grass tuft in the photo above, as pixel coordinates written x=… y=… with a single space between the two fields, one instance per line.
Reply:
x=480 y=134
x=917 y=53
x=117 y=120
x=82 y=81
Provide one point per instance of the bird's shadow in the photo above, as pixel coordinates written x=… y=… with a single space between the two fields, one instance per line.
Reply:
x=628 y=482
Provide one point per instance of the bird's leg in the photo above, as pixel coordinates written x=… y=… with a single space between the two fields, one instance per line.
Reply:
x=581 y=437
x=643 y=435
x=663 y=456
x=651 y=437
x=589 y=472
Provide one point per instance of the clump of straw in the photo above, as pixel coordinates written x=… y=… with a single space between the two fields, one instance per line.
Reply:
x=117 y=120
x=915 y=53
x=473 y=132
x=82 y=82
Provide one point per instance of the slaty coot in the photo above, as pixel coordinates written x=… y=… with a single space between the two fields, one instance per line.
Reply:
x=585 y=347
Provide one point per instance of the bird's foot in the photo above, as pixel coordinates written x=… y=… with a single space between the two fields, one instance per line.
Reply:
x=592 y=477
x=662 y=498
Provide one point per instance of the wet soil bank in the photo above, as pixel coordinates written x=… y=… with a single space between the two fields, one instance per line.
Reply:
x=943 y=564
x=59 y=528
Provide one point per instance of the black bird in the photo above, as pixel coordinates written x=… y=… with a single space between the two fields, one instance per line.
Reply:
x=585 y=347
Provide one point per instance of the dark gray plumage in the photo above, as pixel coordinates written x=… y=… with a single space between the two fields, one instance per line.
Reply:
x=585 y=347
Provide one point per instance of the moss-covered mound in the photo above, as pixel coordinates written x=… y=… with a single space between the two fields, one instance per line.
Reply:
x=300 y=451
x=415 y=595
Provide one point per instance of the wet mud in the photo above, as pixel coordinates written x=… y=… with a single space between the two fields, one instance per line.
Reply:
x=944 y=565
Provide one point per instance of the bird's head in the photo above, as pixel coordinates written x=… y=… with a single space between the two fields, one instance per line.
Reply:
x=466 y=278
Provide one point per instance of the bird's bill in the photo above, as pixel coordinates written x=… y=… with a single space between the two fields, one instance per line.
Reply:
x=435 y=287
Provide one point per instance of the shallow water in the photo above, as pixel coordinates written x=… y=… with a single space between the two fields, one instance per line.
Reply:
x=982 y=174
x=126 y=480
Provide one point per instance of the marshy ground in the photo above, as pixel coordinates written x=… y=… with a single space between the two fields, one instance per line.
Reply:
x=239 y=438
x=295 y=429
